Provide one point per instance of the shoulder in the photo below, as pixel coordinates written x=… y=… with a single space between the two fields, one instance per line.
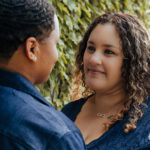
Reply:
x=73 y=108
x=69 y=141
x=27 y=121
x=116 y=138
x=142 y=133
x=72 y=104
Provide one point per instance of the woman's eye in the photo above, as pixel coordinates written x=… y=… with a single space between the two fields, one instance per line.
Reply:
x=107 y=51
x=91 y=48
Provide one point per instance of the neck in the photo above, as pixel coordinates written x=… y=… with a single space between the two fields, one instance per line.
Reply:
x=109 y=102
x=20 y=66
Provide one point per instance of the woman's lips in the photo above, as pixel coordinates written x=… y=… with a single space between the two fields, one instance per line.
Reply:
x=96 y=71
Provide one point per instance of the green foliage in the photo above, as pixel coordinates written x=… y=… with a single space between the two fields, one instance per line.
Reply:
x=74 y=17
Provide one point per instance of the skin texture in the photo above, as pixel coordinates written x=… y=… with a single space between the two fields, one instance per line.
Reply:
x=35 y=59
x=103 y=59
x=113 y=93
x=48 y=54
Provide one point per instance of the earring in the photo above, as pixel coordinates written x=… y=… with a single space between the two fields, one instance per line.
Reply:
x=34 y=58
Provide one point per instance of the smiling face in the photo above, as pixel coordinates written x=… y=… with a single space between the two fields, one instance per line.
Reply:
x=103 y=59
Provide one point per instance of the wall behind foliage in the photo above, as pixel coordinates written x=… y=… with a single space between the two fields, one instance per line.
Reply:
x=74 y=17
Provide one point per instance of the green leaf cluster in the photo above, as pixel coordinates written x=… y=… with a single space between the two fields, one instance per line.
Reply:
x=74 y=17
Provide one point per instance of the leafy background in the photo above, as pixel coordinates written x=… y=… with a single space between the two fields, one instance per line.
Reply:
x=74 y=17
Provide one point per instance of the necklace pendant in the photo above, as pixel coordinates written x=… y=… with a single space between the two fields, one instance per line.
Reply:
x=110 y=117
x=100 y=115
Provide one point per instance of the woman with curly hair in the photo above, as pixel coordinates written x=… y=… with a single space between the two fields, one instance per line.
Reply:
x=113 y=67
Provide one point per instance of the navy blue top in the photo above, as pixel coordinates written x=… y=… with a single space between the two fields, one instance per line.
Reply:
x=29 y=122
x=115 y=138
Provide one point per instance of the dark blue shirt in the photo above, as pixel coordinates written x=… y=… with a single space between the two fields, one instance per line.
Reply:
x=115 y=138
x=29 y=122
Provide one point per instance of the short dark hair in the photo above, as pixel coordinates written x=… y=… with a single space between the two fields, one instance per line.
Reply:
x=21 y=19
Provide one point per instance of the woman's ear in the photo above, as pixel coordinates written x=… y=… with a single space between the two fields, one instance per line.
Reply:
x=31 y=49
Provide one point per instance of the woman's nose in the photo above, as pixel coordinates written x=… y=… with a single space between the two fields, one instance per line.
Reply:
x=96 y=58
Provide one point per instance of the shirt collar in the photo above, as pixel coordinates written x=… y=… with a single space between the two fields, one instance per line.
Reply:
x=18 y=82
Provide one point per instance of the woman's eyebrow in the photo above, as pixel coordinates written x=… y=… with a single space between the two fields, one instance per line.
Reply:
x=91 y=42
x=109 y=45
x=105 y=45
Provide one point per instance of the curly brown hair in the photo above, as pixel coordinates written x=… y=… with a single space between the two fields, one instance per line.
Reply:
x=135 y=68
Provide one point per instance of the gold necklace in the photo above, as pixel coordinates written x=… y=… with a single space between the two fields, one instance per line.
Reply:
x=102 y=115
